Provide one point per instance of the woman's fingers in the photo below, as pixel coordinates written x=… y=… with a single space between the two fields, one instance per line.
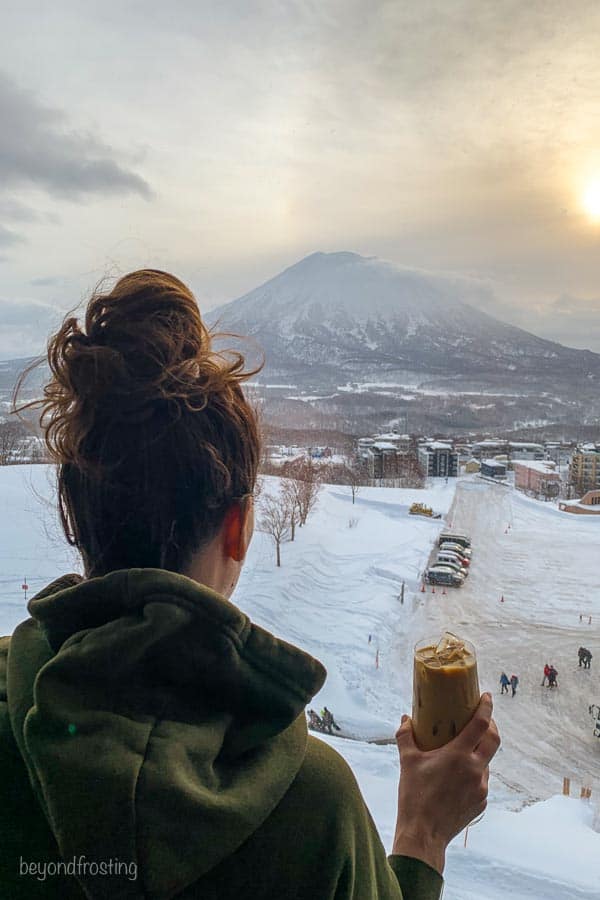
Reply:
x=473 y=732
x=489 y=743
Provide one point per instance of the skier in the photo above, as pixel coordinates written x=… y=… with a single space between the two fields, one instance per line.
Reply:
x=504 y=681
x=585 y=657
x=315 y=723
x=514 y=681
x=552 y=682
x=329 y=722
x=546 y=673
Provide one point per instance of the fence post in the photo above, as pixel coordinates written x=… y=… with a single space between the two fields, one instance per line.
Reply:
x=566 y=787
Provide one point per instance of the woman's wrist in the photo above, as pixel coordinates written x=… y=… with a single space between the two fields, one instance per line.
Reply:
x=421 y=845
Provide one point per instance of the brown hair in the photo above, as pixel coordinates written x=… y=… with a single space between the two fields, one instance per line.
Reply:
x=153 y=436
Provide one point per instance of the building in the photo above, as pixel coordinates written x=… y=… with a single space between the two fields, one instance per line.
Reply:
x=584 y=469
x=472 y=466
x=493 y=468
x=380 y=460
x=384 y=455
x=588 y=505
x=559 y=451
x=401 y=442
x=510 y=449
x=438 y=459
x=538 y=478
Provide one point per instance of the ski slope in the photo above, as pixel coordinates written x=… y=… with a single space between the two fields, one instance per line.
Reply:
x=340 y=583
x=546 y=568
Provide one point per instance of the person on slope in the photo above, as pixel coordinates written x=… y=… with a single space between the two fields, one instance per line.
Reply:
x=504 y=681
x=546 y=674
x=552 y=677
x=143 y=716
x=328 y=720
x=514 y=682
x=314 y=721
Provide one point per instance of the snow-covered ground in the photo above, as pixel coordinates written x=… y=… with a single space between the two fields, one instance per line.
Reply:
x=340 y=583
x=548 y=851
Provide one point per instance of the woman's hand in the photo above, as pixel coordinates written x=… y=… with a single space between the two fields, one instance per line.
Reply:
x=442 y=790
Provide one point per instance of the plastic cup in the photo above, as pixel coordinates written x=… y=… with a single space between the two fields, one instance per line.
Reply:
x=445 y=689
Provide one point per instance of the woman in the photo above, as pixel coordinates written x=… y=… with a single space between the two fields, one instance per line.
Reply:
x=153 y=740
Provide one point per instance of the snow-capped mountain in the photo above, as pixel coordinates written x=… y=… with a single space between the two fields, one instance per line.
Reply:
x=338 y=317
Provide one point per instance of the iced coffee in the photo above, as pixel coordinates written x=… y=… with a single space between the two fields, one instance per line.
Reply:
x=445 y=689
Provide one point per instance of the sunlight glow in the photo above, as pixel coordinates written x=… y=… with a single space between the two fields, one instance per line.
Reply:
x=591 y=199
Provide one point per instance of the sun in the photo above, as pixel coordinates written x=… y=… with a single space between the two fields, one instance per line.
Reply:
x=591 y=199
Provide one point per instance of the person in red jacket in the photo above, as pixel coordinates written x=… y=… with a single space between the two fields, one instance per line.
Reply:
x=546 y=674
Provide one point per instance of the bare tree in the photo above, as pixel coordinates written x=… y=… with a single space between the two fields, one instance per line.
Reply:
x=308 y=477
x=264 y=463
x=275 y=520
x=291 y=489
x=12 y=435
x=354 y=476
x=258 y=488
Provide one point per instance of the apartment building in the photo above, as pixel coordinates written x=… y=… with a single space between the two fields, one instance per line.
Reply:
x=584 y=469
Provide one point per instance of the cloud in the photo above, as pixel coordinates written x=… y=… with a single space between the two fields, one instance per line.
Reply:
x=25 y=326
x=569 y=320
x=16 y=211
x=567 y=305
x=8 y=238
x=38 y=149
x=46 y=281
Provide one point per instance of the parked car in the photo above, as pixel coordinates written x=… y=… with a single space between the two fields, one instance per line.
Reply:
x=457 y=554
x=451 y=559
x=463 y=539
x=444 y=575
x=465 y=552
x=451 y=563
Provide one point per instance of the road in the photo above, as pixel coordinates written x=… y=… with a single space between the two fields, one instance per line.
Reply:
x=546 y=566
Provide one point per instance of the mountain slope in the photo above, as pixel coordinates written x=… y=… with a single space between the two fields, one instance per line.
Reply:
x=340 y=316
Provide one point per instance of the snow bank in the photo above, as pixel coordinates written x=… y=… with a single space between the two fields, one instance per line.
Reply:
x=548 y=851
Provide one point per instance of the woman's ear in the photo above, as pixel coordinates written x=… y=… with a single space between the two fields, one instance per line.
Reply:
x=238 y=527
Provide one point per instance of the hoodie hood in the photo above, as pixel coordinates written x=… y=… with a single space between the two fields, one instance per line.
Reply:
x=160 y=727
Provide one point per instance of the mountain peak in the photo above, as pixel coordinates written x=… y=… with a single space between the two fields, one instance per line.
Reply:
x=347 y=284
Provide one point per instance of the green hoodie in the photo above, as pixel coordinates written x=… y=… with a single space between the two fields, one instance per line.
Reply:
x=153 y=744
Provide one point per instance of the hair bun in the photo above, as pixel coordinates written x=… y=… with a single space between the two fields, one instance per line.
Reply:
x=143 y=350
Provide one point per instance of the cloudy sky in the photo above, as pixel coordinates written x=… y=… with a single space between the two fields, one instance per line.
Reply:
x=226 y=140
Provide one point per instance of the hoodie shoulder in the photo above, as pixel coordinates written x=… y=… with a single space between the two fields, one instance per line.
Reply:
x=7 y=741
x=4 y=645
x=321 y=833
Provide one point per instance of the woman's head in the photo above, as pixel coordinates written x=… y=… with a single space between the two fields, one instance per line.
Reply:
x=154 y=439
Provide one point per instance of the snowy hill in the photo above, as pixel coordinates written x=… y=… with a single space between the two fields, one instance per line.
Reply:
x=337 y=317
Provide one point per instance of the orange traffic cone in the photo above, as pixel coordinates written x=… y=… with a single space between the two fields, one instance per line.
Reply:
x=433 y=588
x=443 y=590
x=422 y=587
